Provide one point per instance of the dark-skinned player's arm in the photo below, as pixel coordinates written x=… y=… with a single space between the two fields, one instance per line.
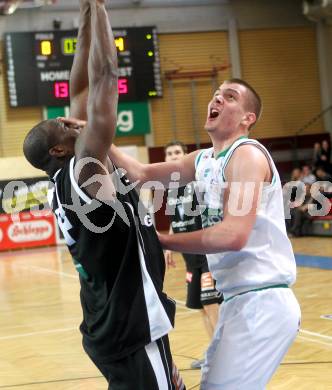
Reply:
x=247 y=165
x=79 y=81
x=96 y=138
x=161 y=172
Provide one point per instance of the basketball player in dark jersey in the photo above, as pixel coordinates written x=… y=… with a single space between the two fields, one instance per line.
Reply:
x=115 y=249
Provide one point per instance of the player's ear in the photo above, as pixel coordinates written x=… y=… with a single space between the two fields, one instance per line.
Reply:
x=249 y=119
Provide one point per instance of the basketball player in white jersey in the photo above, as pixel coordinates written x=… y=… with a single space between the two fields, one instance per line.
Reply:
x=244 y=236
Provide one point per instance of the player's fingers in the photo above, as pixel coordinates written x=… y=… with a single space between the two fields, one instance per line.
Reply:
x=171 y=261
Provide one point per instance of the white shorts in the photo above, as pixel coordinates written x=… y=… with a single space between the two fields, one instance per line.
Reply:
x=253 y=334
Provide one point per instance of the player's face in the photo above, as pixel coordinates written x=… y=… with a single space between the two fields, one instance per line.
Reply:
x=64 y=134
x=226 y=110
x=174 y=153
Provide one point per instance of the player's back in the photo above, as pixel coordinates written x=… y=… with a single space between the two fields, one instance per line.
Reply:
x=120 y=264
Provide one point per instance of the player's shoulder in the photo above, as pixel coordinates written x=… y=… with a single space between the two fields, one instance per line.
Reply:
x=251 y=151
x=203 y=155
x=249 y=160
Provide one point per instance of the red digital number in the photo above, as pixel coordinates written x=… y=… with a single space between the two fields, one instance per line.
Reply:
x=61 y=90
x=122 y=86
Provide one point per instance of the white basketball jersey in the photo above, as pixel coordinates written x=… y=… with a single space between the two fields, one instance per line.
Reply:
x=267 y=258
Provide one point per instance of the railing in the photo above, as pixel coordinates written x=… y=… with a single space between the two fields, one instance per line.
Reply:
x=313 y=120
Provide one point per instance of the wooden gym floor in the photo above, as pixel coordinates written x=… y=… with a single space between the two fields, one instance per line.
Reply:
x=40 y=345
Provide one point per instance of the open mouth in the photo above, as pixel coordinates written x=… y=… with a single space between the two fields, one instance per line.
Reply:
x=213 y=114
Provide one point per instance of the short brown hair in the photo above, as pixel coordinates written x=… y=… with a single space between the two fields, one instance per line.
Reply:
x=254 y=101
x=176 y=143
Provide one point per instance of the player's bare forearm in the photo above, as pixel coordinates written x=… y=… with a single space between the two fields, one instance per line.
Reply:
x=96 y=140
x=96 y=137
x=79 y=81
x=134 y=168
x=103 y=60
x=161 y=172
x=218 y=238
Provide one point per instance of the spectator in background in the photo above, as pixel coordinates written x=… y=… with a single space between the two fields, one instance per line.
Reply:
x=300 y=217
x=326 y=156
x=307 y=176
x=296 y=175
x=316 y=158
x=291 y=191
x=322 y=175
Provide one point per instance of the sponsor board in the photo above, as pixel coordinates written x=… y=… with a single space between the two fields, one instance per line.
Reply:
x=27 y=230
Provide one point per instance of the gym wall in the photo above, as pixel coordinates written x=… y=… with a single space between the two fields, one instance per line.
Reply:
x=282 y=65
x=188 y=52
x=280 y=62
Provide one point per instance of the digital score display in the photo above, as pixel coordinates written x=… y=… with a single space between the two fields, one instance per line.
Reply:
x=39 y=64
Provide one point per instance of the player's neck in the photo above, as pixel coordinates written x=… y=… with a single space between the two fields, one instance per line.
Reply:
x=222 y=144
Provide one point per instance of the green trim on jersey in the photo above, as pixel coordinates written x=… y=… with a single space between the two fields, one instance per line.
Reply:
x=258 y=289
x=198 y=158
x=224 y=152
x=81 y=270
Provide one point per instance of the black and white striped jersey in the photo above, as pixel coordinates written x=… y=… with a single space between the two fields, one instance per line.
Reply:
x=183 y=204
x=121 y=266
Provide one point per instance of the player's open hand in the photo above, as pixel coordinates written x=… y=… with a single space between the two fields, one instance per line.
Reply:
x=72 y=121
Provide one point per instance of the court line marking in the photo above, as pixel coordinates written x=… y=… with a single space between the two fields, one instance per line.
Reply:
x=50 y=271
x=326 y=317
x=314 y=341
x=323 y=336
x=40 y=324
x=52 y=381
x=15 y=336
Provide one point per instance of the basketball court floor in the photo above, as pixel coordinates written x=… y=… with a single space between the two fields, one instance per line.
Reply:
x=40 y=345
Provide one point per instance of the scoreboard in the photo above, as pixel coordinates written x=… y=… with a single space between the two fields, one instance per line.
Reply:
x=39 y=64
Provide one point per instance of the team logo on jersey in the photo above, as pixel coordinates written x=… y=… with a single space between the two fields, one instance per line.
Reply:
x=206 y=172
x=211 y=217
x=148 y=221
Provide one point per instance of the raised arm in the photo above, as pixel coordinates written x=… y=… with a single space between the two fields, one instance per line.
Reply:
x=161 y=172
x=247 y=165
x=96 y=138
x=79 y=81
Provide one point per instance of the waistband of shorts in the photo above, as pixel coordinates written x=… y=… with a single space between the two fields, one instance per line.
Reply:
x=228 y=298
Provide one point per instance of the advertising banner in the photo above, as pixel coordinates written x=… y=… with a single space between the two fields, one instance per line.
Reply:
x=27 y=230
x=133 y=118
x=25 y=218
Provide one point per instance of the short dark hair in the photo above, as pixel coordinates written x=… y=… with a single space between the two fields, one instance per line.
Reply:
x=36 y=147
x=254 y=101
x=176 y=143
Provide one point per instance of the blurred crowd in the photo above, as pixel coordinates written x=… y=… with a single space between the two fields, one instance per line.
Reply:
x=302 y=190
